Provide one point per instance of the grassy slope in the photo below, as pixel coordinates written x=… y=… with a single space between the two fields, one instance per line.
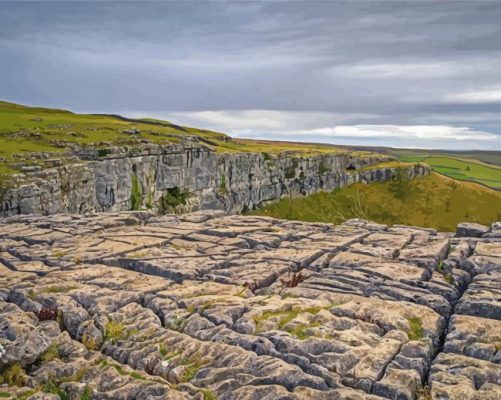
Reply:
x=433 y=201
x=33 y=129
x=462 y=169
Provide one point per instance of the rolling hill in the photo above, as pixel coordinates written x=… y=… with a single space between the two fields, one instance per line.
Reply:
x=434 y=201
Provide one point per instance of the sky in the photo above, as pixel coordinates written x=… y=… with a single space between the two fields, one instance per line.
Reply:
x=423 y=74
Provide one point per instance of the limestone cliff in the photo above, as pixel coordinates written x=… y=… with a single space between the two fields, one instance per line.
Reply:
x=183 y=177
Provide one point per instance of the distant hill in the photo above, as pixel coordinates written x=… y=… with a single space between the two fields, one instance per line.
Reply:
x=433 y=201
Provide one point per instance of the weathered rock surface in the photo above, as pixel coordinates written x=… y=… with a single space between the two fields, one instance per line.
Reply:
x=206 y=305
x=187 y=176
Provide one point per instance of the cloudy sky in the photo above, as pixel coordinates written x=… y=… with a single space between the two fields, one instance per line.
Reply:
x=406 y=74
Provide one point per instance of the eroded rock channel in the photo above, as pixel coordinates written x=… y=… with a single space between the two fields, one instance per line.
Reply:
x=205 y=305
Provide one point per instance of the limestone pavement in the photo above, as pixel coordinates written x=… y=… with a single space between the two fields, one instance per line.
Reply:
x=208 y=306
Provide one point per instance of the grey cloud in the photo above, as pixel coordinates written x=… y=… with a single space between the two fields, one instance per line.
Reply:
x=388 y=63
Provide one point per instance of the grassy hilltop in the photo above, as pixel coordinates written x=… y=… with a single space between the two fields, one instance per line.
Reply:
x=434 y=201
x=33 y=129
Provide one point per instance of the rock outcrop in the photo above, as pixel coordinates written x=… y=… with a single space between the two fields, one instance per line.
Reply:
x=205 y=305
x=187 y=177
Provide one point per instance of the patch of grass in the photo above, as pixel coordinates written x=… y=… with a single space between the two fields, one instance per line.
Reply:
x=190 y=370
x=266 y=156
x=162 y=349
x=86 y=394
x=208 y=394
x=122 y=371
x=285 y=316
x=423 y=204
x=415 y=331
x=26 y=395
x=53 y=387
x=59 y=288
x=89 y=342
x=52 y=353
x=13 y=375
x=440 y=266
x=178 y=322
x=135 y=196
x=222 y=186
x=448 y=278
x=59 y=253
x=241 y=293
x=5 y=395
x=300 y=331
x=114 y=331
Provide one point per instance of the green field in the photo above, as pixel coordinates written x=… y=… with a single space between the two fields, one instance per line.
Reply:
x=433 y=201
x=489 y=157
x=461 y=169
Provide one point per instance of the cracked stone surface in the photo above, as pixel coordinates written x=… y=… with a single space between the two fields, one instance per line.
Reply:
x=210 y=306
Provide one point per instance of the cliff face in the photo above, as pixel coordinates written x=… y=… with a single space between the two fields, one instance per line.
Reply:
x=185 y=177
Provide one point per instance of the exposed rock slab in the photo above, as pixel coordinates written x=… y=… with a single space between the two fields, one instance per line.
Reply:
x=207 y=305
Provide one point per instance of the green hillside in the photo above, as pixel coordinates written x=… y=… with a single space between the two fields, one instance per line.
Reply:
x=433 y=201
x=33 y=129
x=461 y=169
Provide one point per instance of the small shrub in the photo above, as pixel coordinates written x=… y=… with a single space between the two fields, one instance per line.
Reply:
x=399 y=186
x=103 y=152
x=266 y=156
x=424 y=393
x=172 y=199
x=323 y=168
x=448 y=278
x=290 y=171
x=13 y=375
